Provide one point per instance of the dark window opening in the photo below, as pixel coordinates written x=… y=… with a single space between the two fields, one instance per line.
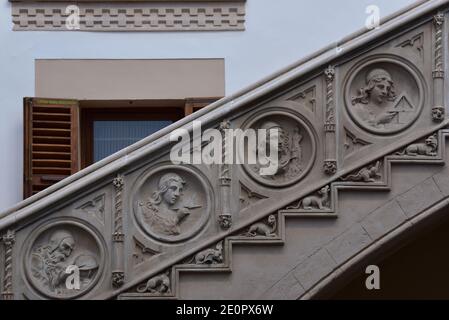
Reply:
x=106 y=130
x=112 y=136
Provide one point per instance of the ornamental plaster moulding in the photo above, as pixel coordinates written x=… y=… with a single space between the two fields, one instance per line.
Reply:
x=172 y=1
x=132 y=15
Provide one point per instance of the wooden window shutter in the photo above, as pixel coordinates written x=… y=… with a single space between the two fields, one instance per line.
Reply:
x=194 y=104
x=50 y=142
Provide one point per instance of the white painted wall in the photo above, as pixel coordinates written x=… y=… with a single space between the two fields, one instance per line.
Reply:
x=278 y=32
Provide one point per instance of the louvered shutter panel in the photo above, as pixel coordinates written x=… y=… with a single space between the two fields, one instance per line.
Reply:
x=50 y=142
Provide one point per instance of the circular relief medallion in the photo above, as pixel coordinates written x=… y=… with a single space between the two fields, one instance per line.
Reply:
x=384 y=96
x=64 y=259
x=281 y=157
x=172 y=203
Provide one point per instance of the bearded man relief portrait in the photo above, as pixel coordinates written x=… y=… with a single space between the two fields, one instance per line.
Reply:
x=50 y=260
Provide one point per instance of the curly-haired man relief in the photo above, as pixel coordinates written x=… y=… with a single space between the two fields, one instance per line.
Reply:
x=372 y=103
x=160 y=212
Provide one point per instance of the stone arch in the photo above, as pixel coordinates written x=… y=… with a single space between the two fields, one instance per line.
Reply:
x=385 y=246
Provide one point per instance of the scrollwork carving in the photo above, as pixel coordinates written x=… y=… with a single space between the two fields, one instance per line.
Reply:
x=353 y=143
x=415 y=42
x=95 y=208
x=248 y=197
x=142 y=253
x=306 y=97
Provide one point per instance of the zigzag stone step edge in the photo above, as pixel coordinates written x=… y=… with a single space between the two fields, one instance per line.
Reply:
x=225 y=265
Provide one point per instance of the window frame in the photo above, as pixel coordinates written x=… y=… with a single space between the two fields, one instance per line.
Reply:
x=90 y=111
x=82 y=115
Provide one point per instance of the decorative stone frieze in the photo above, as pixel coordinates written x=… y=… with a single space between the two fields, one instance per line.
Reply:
x=158 y=285
x=265 y=228
x=130 y=16
x=370 y=173
x=131 y=237
x=428 y=148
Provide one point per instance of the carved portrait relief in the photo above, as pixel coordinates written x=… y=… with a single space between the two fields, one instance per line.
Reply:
x=171 y=203
x=384 y=96
x=59 y=251
x=295 y=148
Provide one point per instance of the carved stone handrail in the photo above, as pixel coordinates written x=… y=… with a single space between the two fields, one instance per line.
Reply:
x=136 y=232
x=268 y=209
x=212 y=113
x=278 y=237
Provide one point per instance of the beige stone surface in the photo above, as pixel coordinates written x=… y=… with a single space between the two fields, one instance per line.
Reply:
x=384 y=219
x=130 y=79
